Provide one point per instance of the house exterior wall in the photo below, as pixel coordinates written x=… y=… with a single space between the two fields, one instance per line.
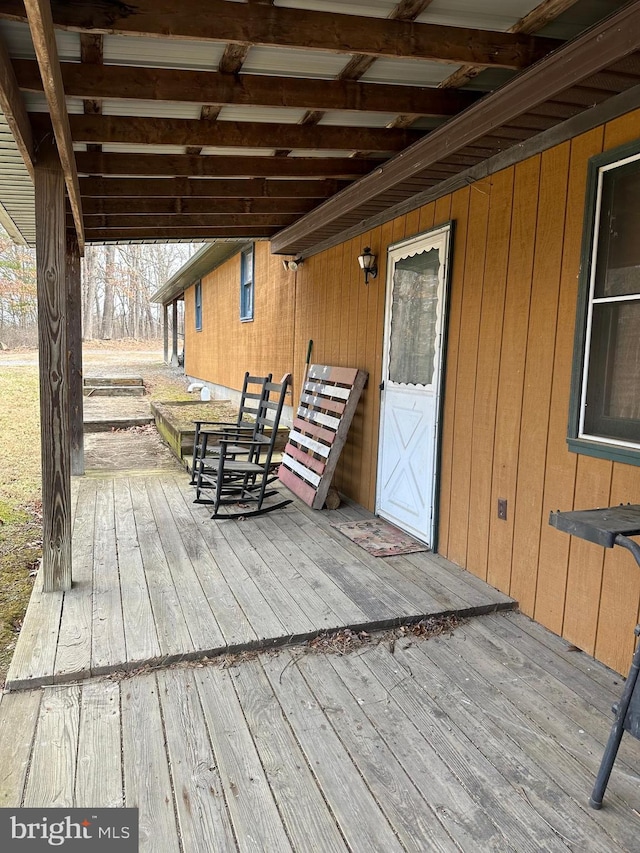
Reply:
x=514 y=277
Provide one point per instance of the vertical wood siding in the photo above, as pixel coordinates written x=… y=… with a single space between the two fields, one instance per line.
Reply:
x=515 y=265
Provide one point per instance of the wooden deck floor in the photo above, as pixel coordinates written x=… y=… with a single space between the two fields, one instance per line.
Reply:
x=155 y=580
x=485 y=740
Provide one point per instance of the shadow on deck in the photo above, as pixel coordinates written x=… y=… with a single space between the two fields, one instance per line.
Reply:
x=156 y=581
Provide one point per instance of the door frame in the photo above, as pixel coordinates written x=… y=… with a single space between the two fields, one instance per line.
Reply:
x=446 y=229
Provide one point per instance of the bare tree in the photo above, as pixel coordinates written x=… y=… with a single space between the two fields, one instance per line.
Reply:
x=117 y=283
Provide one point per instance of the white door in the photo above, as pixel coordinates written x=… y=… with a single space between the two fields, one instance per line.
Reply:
x=417 y=274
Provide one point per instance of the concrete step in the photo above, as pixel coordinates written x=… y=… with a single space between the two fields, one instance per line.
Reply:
x=115 y=423
x=112 y=381
x=114 y=391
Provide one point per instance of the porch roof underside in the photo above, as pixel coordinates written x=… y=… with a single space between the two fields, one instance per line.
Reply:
x=170 y=128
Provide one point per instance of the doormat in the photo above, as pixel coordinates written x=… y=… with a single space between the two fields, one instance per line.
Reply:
x=379 y=538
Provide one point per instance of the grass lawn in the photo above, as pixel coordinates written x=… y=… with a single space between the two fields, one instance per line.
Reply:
x=20 y=518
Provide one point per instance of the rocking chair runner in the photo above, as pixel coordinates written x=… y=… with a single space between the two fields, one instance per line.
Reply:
x=254 y=390
x=245 y=480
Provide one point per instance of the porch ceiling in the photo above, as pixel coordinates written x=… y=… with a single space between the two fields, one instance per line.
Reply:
x=285 y=119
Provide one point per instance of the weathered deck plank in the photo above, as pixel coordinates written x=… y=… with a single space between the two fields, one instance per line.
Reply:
x=51 y=781
x=140 y=634
x=18 y=717
x=264 y=622
x=277 y=595
x=201 y=808
x=203 y=628
x=33 y=661
x=376 y=600
x=107 y=639
x=99 y=763
x=314 y=607
x=147 y=783
x=171 y=625
x=73 y=652
x=517 y=748
x=249 y=798
x=232 y=620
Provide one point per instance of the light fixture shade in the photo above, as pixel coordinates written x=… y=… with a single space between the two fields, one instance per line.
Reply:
x=367 y=259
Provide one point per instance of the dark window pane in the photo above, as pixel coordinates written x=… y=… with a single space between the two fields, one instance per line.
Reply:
x=618 y=259
x=613 y=392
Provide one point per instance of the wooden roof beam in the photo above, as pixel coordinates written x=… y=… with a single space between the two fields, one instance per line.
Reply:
x=201 y=132
x=212 y=87
x=241 y=206
x=255 y=24
x=190 y=220
x=99 y=235
x=218 y=166
x=210 y=188
x=44 y=42
x=14 y=109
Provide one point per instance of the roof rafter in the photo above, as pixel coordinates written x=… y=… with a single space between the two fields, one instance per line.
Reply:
x=256 y=24
x=217 y=166
x=202 y=132
x=242 y=206
x=212 y=87
x=188 y=220
x=44 y=42
x=102 y=235
x=186 y=188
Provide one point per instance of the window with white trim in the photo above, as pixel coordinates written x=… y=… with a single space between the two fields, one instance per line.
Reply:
x=246 y=283
x=198 y=306
x=606 y=386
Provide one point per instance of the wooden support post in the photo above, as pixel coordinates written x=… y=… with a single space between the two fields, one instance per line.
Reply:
x=74 y=344
x=174 y=330
x=54 y=369
x=165 y=331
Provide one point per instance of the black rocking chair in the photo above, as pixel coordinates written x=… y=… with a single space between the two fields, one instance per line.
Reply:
x=244 y=465
x=254 y=390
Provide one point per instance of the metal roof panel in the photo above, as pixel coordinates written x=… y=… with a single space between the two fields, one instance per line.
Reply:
x=290 y=62
x=157 y=109
x=488 y=15
x=17 y=39
x=162 y=53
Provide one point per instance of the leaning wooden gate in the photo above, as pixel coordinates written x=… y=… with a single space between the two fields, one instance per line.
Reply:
x=327 y=405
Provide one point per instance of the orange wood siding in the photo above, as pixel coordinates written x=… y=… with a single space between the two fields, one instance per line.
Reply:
x=514 y=274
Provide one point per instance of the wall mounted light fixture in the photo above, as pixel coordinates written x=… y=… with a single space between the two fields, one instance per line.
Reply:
x=367 y=261
x=292 y=266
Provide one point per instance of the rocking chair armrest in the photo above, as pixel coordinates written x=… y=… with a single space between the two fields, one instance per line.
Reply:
x=238 y=442
x=215 y=423
x=231 y=430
